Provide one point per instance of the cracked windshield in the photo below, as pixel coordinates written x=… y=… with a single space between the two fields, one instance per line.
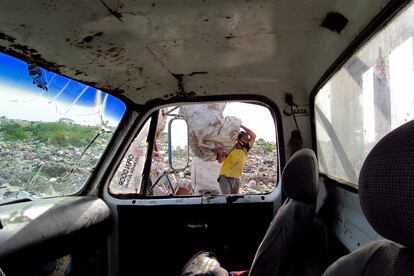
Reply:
x=53 y=130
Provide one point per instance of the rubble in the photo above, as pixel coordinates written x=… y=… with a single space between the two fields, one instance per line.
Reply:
x=210 y=130
x=36 y=169
x=261 y=169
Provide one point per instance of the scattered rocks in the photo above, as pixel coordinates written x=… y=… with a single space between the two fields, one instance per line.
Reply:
x=55 y=168
x=261 y=167
x=252 y=184
x=35 y=169
x=259 y=175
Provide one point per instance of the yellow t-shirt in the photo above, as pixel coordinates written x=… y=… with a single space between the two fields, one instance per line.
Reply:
x=234 y=163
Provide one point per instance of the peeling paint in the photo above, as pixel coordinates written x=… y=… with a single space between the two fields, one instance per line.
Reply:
x=25 y=53
x=89 y=38
x=7 y=37
x=117 y=91
x=23 y=48
x=50 y=66
x=119 y=51
x=93 y=84
x=198 y=73
x=78 y=72
x=179 y=78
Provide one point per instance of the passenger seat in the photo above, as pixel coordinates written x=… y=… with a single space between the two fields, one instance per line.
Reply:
x=386 y=193
x=283 y=247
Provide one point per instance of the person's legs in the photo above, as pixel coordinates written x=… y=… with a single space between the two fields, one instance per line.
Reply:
x=235 y=186
x=225 y=183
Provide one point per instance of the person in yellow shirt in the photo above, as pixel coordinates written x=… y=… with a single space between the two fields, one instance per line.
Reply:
x=234 y=161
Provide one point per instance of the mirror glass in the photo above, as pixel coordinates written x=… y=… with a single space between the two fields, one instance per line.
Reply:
x=178 y=144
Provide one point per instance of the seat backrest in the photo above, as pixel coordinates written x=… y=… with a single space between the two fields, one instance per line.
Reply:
x=281 y=249
x=386 y=192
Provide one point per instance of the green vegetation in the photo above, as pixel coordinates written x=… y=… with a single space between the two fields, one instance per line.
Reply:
x=270 y=147
x=55 y=133
x=14 y=132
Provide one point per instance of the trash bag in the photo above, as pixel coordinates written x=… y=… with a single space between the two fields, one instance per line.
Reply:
x=209 y=129
x=204 y=176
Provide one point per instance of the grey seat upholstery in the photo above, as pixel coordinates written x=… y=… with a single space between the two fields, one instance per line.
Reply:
x=282 y=249
x=386 y=191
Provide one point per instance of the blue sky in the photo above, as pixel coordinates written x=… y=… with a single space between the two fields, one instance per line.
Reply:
x=14 y=75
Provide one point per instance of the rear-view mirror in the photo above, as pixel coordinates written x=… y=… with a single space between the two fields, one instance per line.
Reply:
x=178 y=155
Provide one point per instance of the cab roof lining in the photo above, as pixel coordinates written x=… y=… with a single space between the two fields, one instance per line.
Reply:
x=144 y=50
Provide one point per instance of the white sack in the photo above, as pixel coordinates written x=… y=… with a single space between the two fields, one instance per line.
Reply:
x=209 y=130
x=204 y=176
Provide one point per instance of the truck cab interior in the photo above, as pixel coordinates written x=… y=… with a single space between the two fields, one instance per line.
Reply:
x=114 y=115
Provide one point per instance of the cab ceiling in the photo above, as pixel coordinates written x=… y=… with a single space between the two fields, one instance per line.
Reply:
x=145 y=50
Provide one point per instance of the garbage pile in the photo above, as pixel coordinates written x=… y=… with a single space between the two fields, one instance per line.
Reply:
x=209 y=130
x=29 y=168
x=35 y=169
x=259 y=174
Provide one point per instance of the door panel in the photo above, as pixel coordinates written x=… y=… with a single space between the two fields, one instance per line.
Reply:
x=37 y=232
x=159 y=240
x=343 y=214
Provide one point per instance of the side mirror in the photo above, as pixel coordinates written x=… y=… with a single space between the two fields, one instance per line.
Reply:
x=178 y=154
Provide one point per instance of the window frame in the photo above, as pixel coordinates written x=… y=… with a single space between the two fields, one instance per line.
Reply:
x=150 y=110
x=89 y=186
x=388 y=13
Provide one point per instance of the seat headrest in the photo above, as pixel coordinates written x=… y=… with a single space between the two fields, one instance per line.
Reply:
x=386 y=186
x=300 y=176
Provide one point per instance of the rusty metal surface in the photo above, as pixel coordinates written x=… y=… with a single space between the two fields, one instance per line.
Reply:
x=146 y=50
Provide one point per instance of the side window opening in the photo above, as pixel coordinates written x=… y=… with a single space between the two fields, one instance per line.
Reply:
x=367 y=98
x=188 y=139
x=128 y=177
